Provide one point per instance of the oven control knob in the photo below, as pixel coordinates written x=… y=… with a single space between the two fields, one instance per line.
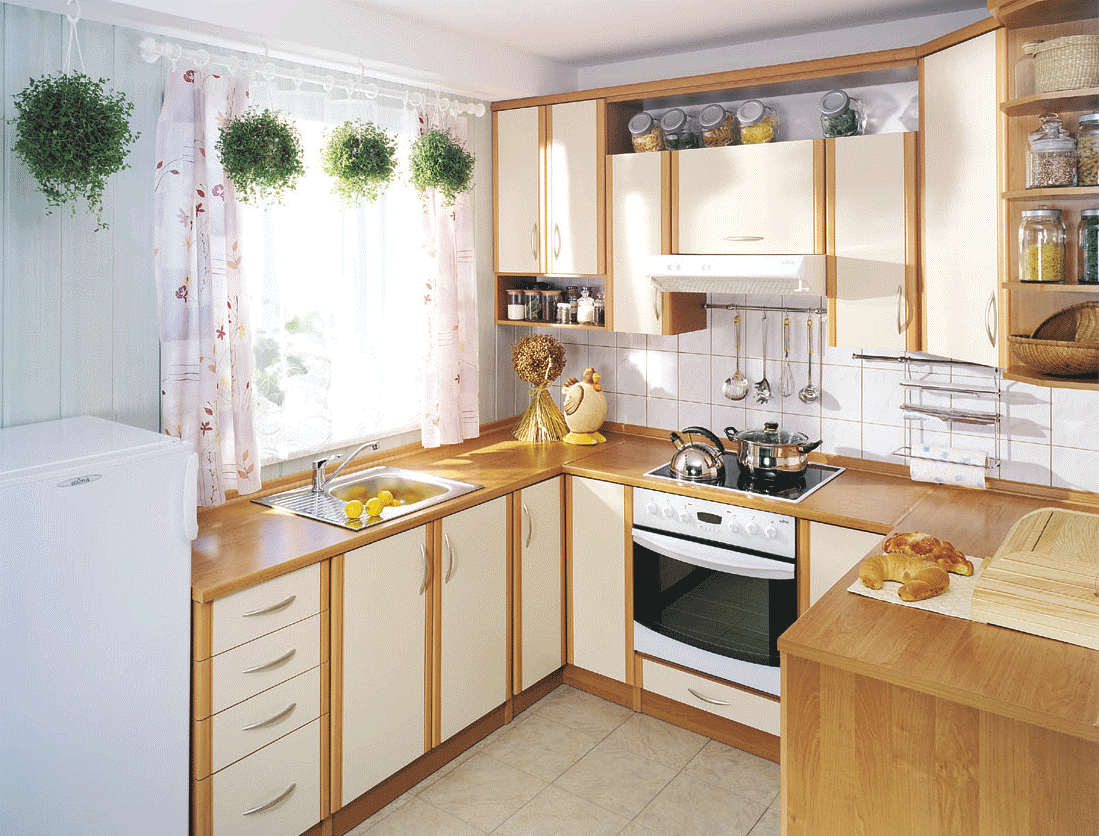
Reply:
x=753 y=529
x=669 y=512
x=734 y=527
x=684 y=517
x=652 y=509
x=771 y=532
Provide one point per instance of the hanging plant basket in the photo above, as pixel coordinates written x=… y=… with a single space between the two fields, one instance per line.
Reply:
x=73 y=133
x=360 y=158
x=439 y=162
x=261 y=153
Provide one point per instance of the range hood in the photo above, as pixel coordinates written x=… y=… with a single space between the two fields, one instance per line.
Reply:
x=751 y=274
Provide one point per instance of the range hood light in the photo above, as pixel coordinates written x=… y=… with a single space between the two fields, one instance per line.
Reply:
x=750 y=274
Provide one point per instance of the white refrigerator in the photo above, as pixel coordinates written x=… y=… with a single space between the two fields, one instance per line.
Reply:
x=96 y=523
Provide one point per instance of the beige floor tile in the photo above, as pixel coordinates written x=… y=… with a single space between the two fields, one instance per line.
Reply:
x=422 y=819
x=582 y=711
x=542 y=747
x=770 y=824
x=483 y=791
x=636 y=828
x=395 y=804
x=554 y=812
x=616 y=779
x=689 y=806
x=659 y=741
x=742 y=772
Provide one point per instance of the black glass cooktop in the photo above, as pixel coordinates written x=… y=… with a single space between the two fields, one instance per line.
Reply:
x=738 y=480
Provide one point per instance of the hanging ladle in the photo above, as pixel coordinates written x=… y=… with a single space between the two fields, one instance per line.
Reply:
x=736 y=387
x=809 y=393
x=763 y=388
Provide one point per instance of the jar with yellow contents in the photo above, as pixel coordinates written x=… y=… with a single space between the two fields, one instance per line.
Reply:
x=758 y=122
x=1042 y=246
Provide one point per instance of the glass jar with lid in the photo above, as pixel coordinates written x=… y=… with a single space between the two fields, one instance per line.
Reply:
x=517 y=307
x=646 y=133
x=841 y=115
x=1087 y=150
x=1051 y=155
x=550 y=298
x=1042 y=246
x=678 y=132
x=718 y=126
x=533 y=302
x=1024 y=70
x=1089 y=246
x=758 y=122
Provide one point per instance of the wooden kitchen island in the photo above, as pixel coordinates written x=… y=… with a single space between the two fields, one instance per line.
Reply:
x=898 y=721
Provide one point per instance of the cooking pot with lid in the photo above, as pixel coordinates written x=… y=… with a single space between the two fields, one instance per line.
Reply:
x=696 y=461
x=771 y=452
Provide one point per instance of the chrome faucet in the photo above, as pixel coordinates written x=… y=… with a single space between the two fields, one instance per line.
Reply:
x=320 y=479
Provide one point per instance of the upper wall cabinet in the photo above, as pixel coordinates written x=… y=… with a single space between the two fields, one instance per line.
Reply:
x=549 y=189
x=765 y=198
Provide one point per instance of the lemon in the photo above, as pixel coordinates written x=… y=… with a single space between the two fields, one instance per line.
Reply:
x=374 y=506
x=353 y=509
x=386 y=497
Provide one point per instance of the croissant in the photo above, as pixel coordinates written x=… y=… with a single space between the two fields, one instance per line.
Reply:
x=929 y=548
x=919 y=578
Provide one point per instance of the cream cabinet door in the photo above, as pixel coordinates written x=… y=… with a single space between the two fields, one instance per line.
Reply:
x=540 y=549
x=872 y=208
x=474 y=619
x=958 y=126
x=637 y=228
x=518 y=204
x=575 y=177
x=764 y=198
x=833 y=550
x=383 y=641
x=598 y=609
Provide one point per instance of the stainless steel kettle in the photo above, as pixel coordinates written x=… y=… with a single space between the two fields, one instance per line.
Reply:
x=696 y=461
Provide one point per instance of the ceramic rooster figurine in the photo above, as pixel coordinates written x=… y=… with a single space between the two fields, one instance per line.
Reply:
x=585 y=408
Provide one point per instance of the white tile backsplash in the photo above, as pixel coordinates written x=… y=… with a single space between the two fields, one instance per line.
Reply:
x=1074 y=468
x=662 y=376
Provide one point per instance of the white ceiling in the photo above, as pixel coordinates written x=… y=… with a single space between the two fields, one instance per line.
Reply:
x=584 y=34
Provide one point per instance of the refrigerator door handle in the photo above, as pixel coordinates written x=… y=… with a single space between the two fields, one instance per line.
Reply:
x=190 y=497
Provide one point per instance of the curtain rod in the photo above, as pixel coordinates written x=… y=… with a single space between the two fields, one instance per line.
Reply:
x=153 y=50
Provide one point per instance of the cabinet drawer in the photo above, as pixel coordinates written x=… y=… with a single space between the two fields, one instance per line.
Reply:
x=285 y=775
x=266 y=607
x=245 y=727
x=263 y=663
x=728 y=702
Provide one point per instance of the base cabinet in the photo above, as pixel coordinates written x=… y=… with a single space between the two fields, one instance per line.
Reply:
x=833 y=550
x=539 y=549
x=744 y=707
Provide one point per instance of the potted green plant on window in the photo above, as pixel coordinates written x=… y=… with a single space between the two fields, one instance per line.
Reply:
x=360 y=158
x=261 y=153
x=438 y=161
x=73 y=133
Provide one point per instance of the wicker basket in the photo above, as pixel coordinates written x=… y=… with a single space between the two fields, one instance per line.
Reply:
x=1074 y=324
x=1056 y=357
x=1066 y=63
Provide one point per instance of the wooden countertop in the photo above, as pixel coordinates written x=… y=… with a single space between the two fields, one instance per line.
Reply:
x=1047 y=683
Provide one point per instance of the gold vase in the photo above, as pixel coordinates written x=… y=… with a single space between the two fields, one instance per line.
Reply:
x=542 y=421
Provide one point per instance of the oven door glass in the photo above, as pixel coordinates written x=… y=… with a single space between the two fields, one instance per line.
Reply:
x=715 y=598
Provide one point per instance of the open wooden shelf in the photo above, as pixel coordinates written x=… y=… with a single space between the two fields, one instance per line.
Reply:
x=1053 y=193
x=1049 y=287
x=1025 y=374
x=1085 y=98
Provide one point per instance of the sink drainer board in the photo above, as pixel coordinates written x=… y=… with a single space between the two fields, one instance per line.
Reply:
x=1044 y=579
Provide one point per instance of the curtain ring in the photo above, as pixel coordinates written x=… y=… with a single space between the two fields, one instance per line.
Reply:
x=328 y=83
x=72 y=19
x=202 y=58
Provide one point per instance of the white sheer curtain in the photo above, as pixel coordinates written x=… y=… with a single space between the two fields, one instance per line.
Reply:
x=450 y=405
x=205 y=331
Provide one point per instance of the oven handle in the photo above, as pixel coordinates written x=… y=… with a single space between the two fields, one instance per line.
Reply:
x=709 y=557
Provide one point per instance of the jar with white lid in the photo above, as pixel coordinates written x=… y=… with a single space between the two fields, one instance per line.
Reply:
x=1051 y=155
x=718 y=126
x=1087 y=150
x=1042 y=246
x=758 y=122
x=841 y=115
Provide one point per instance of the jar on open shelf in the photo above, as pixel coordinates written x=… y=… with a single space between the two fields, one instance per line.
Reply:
x=646 y=133
x=758 y=122
x=1089 y=246
x=719 y=127
x=1087 y=150
x=679 y=133
x=1024 y=70
x=841 y=114
x=1042 y=246
x=517 y=307
x=1051 y=155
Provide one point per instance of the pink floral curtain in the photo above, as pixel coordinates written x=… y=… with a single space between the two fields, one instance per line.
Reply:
x=205 y=329
x=450 y=381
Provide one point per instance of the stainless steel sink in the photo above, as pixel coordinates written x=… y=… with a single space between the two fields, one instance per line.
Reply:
x=411 y=491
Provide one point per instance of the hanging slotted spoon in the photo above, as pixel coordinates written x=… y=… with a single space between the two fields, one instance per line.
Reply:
x=763 y=388
x=736 y=387
x=786 y=384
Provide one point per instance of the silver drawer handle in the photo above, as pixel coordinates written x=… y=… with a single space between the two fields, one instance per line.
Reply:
x=427 y=571
x=450 y=555
x=267 y=666
x=270 y=721
x=902 y=312
x=530 y=526
x=534 y=241
x=707 y=699
x=270 y=803
x=743 y=238
x=273 y=608
x=990 y=315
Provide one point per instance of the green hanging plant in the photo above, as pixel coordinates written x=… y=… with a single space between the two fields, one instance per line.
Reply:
x=73 y=133
x=439 y=162
x=361 y=159
x=261 y=152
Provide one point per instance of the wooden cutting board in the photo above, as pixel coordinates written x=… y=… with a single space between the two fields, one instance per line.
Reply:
x=1044 y=578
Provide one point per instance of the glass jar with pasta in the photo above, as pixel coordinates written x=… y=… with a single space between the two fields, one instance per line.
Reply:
x=1087 y=150
x=1042 y=246
x=758 y=122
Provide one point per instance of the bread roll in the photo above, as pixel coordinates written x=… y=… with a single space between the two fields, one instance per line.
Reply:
x=919 y=578
x=929 y=548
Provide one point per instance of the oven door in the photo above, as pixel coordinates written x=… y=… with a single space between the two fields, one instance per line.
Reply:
x=712 y=608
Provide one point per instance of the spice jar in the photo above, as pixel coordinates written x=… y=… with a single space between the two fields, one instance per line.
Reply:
x=841 y=115
x=1087 y=150
x=1051 y=155
x=533 y=301
x=550 y=298
x=1089 y=246
x=563 y=313
x=1024 y=71
x=646 y=133
x=600 y=309
x=757 y=121
x=572 y=296
x=585 y=308
x=718 y=126
x=677 y=130
x=1042 y=246
x=517 y=308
